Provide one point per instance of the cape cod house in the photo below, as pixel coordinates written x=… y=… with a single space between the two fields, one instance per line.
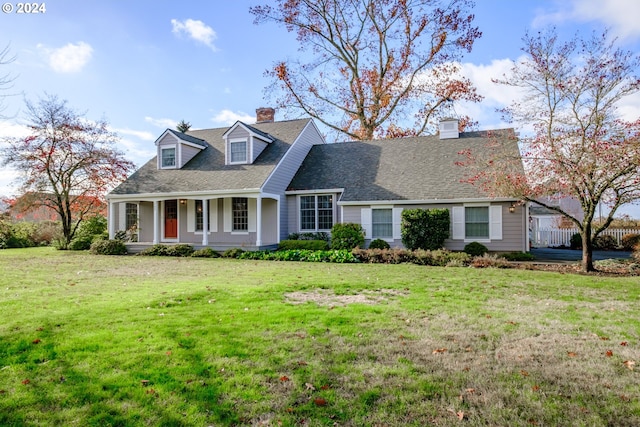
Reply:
x=250 y=186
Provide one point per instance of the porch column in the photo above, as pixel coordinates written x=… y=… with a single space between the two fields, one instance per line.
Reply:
x=112 y=220
x=259 y=221
x=156 y=222
x=205 y=222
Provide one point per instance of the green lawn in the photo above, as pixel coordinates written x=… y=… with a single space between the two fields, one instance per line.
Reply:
x=97 y=341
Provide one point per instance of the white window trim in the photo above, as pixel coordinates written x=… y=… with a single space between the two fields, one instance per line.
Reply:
x=459 y=223
x=246 y=153
x=316 y=229
x=176 y=160
x=366 y=220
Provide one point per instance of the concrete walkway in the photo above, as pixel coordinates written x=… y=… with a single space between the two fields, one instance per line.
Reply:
x=572 y=255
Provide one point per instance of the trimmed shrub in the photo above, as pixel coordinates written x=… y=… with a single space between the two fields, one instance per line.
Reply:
x=441 y=258
x=629 y=241
x=320 y=235
x=425 y=228
x=347 y=236
x=475 y=249
x=232 y=253
x=108 y=247
x=636 y=253
x=383 y=256
x=180 y=250
x=604 y=242
x=314 y=245
x=379 y=244
x=575 y=242
x=205 y=253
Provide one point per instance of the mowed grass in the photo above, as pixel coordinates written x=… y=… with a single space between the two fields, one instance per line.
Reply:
x=99 y=341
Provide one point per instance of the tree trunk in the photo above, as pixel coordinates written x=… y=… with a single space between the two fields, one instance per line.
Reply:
x=587 y=249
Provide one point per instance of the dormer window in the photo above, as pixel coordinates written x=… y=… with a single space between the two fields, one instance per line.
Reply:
x=168 y=155
x=237 y=151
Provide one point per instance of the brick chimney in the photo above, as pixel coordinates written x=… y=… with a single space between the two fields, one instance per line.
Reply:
x=265 y=115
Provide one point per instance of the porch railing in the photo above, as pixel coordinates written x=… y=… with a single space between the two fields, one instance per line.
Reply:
x=553 y=237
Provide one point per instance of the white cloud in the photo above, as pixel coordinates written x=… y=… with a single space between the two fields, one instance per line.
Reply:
x=70 y=58
x=137 y=153
x=145 y=136
x=228 y=117
x=162 y=123
x=619 y=15
x=197 y=30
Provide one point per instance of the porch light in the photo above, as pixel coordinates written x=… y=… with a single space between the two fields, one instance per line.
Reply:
x=512 y=208
x=183 y=201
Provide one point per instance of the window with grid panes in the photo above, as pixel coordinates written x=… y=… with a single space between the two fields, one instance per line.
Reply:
x=240 y=213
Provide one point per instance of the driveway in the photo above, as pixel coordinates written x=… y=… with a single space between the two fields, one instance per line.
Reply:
x=572 y=255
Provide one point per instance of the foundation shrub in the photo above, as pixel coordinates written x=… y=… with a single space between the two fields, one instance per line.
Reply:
x=314 y=245
x=475 y=249
x=486 y=261
x=232 y=253
x=347 y=236
x=205 y=253
x=155 y=250
x=379 y=244
x=320 y=235
x=425 y=228
x=108 y=247
x=518 y=256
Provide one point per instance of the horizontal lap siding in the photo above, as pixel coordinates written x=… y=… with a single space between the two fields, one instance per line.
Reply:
x=513 y=234
x=282 y=175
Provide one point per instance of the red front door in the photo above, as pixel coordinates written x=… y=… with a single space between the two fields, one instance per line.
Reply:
x=171 y=219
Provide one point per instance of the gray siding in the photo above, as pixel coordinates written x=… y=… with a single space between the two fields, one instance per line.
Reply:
x=187 y=153
x=283 y=173
x=258 y=147
x=513 y=231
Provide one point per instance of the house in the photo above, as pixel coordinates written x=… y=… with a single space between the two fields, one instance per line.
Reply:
x=250 y=186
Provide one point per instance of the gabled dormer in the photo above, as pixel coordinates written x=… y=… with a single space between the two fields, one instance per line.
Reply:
x=175 y=149
x=244 y=143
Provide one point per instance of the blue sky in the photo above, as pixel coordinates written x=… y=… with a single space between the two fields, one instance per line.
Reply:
x=145 y=65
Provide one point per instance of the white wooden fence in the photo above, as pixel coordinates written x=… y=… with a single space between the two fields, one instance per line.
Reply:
x=553 y=237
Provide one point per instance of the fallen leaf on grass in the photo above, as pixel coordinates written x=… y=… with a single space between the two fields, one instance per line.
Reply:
x=609 y=353
x=324 y=387
x=309 y=386
x=320 y=401
x=439 y=350
x=623 y=343
x=536 y=387
x=460 y=415
x=629 y=364
x=284 y=378
x=524 y=373
x=26 y=381
x=571 y=354
x=144 y=382
x=36 y=341
x=604 y=338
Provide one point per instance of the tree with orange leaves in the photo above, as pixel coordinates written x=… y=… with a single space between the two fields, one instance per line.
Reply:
x=68 y=162
x=579 y=147
x=379 y=68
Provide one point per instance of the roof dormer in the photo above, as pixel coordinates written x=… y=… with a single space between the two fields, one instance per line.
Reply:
x=175 y=149
x=244 y=143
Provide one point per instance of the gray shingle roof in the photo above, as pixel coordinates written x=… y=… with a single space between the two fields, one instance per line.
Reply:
x=188 y=138
x=207 y=170
x=419 y=168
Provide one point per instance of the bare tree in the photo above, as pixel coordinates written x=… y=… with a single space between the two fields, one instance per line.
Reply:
x=66 y=163
x=6 y=79
x=380 y=68
x=581 y=147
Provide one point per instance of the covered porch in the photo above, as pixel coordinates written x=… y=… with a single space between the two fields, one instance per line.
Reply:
x=250 y=221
